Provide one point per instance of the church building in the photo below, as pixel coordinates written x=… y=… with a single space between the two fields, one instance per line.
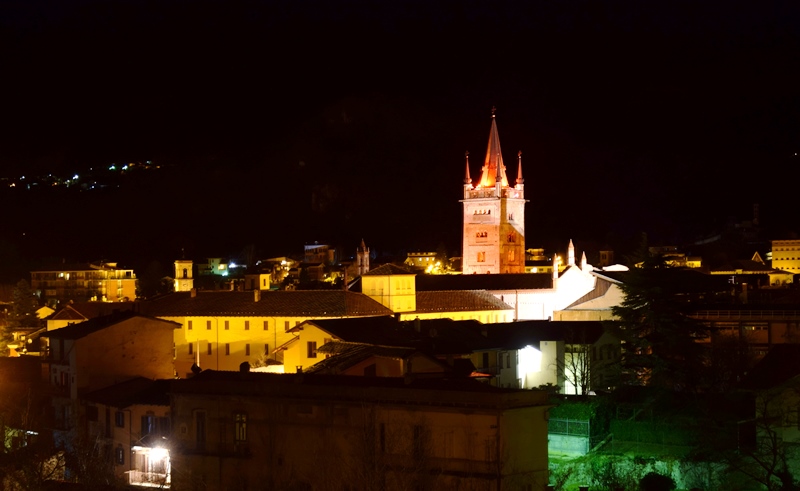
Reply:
x=494 y=216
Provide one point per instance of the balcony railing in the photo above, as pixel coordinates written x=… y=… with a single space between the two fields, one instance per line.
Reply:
x=746 y=314
x=148 y=479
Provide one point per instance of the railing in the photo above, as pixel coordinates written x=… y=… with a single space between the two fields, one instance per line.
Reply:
x=746 y=314
x=148 y=479
x=574 y=427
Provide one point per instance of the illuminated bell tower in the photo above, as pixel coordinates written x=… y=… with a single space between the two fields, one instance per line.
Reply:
x=183 y=275
x=494 y=216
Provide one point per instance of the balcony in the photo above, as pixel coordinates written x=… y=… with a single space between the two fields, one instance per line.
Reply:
x=147 y=479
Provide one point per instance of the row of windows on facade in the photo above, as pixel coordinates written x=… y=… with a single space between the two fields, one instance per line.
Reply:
x=210 y=349
x=482 y=256
x=227 y=325
x=512 y=237
x=160 y=427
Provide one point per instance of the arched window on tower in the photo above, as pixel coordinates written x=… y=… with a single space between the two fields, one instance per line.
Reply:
x=185 y=273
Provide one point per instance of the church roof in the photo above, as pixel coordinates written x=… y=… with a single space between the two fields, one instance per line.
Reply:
x=493 y=282
x=493 y=167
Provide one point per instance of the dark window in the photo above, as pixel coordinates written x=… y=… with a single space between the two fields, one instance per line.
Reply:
x=247 y=349
x=119 y=419
x=266 y=325
x=485 y=360
x=200 y=430
x=191 y=348
x=418 y=442
x=266 y=350
x=311 y=349
x=286 y=325
x=148 y=424
x=208 y=325
x=227 y=349
x=190 y=325
x=91 y=413
x=209 y=348
x=108 y=422
x=227 y=325
x=240 y=422
x=246 y=325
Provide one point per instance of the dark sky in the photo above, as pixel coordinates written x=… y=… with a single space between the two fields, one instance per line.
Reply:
x=295 y=121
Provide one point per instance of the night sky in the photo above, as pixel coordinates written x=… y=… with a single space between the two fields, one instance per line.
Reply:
x=282 y=123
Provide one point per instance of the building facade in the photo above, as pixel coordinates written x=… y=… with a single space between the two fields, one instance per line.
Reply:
x=494 y=216
x=318 y=432
x=97 y=282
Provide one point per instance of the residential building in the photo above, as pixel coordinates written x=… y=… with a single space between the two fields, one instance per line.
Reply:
x=131 y=422
x=100 y=282
x=494 y=215
x=786 y=255
x=236 y=430
x=104 y=351
x=221 y=330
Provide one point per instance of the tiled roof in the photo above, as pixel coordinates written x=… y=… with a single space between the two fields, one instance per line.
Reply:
x=434 y=336
x=77 y=331
x=135 y=391
x=90 y=310
x=522 y=281
x=458 y=301
x=388 y=269
x=299 y=303
x=345 y=355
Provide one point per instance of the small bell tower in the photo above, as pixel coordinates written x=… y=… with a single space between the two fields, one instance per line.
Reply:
x=183 y=275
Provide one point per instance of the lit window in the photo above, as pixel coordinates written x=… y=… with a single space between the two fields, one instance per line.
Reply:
x=481 y=257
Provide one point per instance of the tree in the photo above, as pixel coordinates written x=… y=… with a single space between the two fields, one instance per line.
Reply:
x=23 y=314
x=659 y=339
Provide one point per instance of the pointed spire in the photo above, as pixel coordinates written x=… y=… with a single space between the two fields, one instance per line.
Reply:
x=493 y=169
x=584 y=262
x=467 y=178
x=520 y=180
x=571 y=254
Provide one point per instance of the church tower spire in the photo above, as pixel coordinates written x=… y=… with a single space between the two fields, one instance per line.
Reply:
x=493 y=170
x=494 y=216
